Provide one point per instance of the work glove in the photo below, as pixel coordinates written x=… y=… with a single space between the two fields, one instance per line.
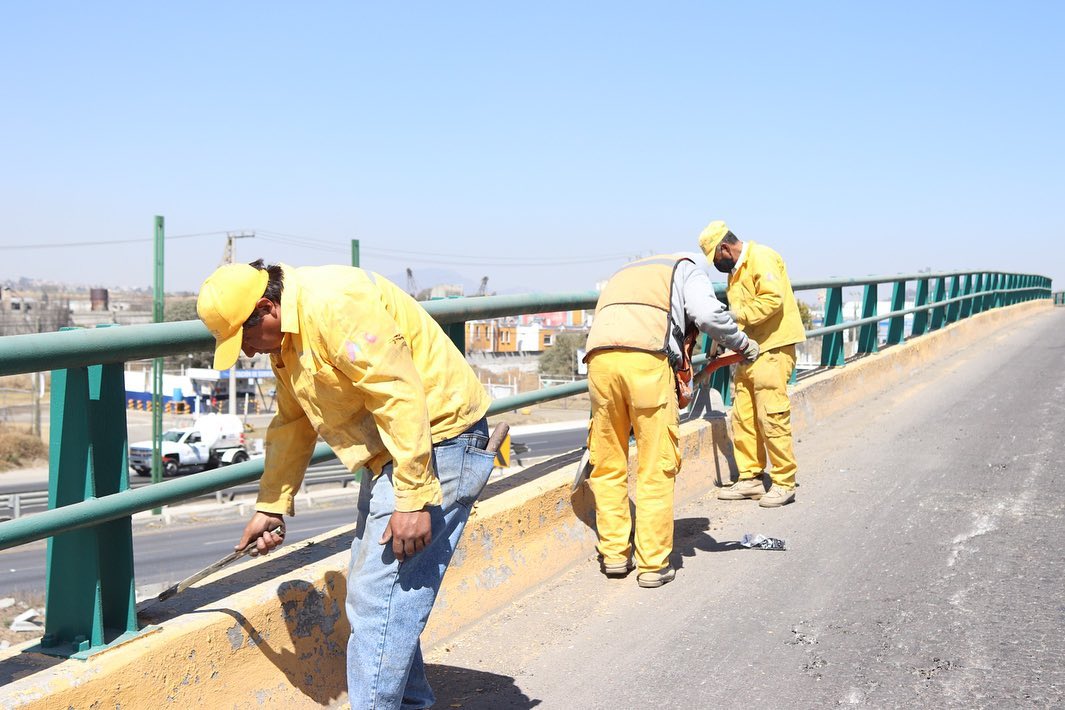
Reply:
x=750 y=351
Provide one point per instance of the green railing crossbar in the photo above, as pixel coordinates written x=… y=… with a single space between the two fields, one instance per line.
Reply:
x=907 y=311
x=21 y=354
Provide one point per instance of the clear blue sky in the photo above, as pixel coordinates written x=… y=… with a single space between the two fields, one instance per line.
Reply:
x=855 y=138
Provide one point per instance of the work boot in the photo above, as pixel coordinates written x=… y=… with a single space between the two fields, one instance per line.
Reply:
x=745 y=488
x=651 y=580
x=777 y=496
x=617 y=569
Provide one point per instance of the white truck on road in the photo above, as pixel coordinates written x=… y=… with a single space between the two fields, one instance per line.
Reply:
x=213 y=440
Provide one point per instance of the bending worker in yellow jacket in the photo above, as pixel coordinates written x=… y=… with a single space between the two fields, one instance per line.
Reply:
x=361 y=364
x=633 y=349
x=763 y=304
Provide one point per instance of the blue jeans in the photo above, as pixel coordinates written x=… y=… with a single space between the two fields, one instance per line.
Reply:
x=388 y=602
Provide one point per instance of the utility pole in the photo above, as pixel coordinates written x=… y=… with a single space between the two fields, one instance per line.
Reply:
x=227 y=258
x=229 y=254
x=157 y=363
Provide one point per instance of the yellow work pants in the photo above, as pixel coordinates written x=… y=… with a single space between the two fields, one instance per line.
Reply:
x=631 y=389
x=761 y=417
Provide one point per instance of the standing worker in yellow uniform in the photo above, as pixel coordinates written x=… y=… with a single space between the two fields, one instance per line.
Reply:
x=763 y=304
x=360 y=363
x=633 y=350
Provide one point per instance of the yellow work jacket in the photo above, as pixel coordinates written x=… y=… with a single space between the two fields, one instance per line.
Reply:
x=760 y=296
x=364 y=366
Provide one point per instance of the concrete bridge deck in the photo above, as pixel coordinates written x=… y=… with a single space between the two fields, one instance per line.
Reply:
x=923 y=567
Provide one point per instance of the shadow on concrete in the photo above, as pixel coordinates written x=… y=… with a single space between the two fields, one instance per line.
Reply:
x=475 y=690
x=709 y=406
x=25 y=664
x=276 y=565
x=690 y=538
x=532 y=473
x=318 y=631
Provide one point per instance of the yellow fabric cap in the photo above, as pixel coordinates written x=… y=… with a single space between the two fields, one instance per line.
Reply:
x=711 y=237
x=227 y=298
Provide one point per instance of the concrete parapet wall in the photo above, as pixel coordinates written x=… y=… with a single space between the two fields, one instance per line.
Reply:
x=272 y=633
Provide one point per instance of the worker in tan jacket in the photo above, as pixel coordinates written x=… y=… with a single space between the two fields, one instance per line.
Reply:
x=633 y=351
x=761 y=300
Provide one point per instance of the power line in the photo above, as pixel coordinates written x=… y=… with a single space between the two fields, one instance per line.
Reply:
x=445 y=259
x=56 y=245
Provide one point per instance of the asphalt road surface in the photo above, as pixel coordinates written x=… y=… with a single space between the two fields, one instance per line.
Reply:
x=924 y=569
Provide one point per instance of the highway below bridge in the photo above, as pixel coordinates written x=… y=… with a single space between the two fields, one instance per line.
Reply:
x=924 y=568
x=165 y=554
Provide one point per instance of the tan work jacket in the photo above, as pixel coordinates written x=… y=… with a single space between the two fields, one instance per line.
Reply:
x=633 y=311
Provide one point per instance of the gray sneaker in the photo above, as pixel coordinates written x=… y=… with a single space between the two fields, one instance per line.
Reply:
x=777 y=496
x=650 y=580
x=743 y=489
x=617 y=569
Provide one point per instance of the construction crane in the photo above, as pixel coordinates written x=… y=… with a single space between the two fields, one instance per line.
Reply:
x=412 y=287
x=484 y=286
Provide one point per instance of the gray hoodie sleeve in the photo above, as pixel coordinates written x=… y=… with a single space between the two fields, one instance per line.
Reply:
x=702 y=308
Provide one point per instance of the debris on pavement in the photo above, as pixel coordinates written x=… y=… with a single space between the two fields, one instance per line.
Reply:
x=762 y=542
x=27 y=621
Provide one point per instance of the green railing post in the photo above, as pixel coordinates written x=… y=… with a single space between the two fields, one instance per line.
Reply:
x=939 y=313
x=920 y=318
x=978 y=295
x=832 y=343
x=897 y=327
x=457 y=333
x=868 y=334
x=967 y=290
x=90 y=592
x=721 y=378
x=354 y=252
x=954 y=309
x=157 y=364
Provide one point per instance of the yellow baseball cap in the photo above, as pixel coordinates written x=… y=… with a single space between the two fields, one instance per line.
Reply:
x=227 y=298
x=711 y=237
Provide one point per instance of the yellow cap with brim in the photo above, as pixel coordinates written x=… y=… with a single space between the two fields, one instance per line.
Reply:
x=227 y=298
x=711 y=237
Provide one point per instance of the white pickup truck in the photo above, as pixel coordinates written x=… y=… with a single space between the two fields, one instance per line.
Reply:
x=214 y=440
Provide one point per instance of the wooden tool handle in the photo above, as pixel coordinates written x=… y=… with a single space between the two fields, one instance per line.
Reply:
x=498 y=435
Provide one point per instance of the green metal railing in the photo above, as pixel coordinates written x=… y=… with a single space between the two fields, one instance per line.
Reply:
x=1059 y=298
x=90 y=597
